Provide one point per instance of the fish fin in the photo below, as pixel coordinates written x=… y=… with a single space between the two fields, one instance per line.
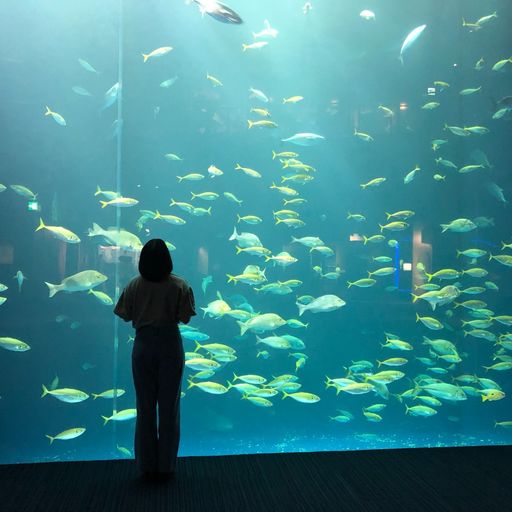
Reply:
x=41 y=225
x=234 y=236
x=50 y=438
x=146 y=57
x=54 y=288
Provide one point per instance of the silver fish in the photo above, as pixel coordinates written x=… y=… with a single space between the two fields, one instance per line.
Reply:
x=410 y=39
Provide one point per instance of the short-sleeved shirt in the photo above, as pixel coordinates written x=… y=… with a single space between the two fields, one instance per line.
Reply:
x=156 y=304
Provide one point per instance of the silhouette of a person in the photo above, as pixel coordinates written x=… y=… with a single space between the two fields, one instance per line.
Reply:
x=155 y=302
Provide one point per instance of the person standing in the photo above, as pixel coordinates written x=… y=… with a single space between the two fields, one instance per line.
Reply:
x=155 y=302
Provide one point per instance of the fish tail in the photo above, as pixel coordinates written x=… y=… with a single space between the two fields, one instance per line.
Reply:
x=179 y=178
x=381 y=228
x=45 y=391
x=238 y=217
x=95 y=230
x=249 y=124
x=146 y=57
x=234 y=235
x=94 y=394
x=415 y=298
x=445 y=227
x=190 y=383
x=349 y=284
x=285 y=394
x=104 y=204
x=417 y=317
x=193 y=195
x=274 y=154
x=238 y=250
x=158 y=215
x=106 y=420
x=53 y=288
x=41 y=224
x=244 y=47
x=237 y=167
x=490 y=256
x=48 y=111
x=50 y=438
x=365 y=238
x=98 y=190
x=209 y=210
x=243 y=327
x=429 y=276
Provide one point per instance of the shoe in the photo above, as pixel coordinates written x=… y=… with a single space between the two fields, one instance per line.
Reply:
x=150 y=476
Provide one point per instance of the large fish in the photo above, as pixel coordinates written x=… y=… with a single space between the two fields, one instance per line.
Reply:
x=410 y=39
x=304 y=139
x=218 y=11
x=111 y=96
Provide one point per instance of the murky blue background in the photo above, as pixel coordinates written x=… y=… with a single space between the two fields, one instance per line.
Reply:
x=345 y=67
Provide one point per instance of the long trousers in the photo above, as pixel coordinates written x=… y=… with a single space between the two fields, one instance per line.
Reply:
x=157 y=367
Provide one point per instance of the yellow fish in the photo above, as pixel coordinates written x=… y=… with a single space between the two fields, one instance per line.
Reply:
x=261 y=111
x=293 y=99
x=248 y=171
x=56 y=117
x=159 y=52
x=59 y=232
x=262 y=122
x=215 y=81
x=284 y=154
x=254 y=46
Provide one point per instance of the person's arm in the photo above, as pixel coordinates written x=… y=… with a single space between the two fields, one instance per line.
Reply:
x=186 y=307
x=123 y=307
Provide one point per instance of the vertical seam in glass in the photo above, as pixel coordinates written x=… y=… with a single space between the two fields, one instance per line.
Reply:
x=118 y=210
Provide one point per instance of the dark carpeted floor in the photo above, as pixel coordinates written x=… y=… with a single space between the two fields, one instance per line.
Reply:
x=440 y=479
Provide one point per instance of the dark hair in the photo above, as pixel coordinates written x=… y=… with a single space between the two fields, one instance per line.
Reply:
x=155 y=262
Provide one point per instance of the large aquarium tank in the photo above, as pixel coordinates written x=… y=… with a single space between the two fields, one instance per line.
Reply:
x=333 y=180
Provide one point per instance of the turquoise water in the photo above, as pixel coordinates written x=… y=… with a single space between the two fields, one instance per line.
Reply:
x=184 y=113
